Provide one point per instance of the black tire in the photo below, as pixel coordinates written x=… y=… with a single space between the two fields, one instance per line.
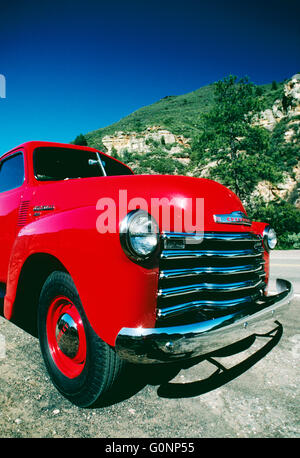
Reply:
x=96 y=375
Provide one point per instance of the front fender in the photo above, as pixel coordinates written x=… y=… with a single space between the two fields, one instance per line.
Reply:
x=114 y=291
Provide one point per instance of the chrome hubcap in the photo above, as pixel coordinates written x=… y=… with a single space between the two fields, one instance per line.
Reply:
x=67 y=335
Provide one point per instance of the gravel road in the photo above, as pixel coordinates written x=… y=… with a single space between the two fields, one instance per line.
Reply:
x=253 y=391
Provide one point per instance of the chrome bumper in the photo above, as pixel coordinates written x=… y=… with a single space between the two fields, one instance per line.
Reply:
x=143 y=345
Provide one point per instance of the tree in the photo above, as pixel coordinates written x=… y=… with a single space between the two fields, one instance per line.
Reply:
x=80 y=140
x=231 y=140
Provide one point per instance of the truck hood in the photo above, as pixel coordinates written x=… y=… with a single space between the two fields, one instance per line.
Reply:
x=146 y=191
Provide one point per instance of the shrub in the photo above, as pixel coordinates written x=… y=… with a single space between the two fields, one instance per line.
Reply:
x=289 y=241
x=114 y=153
x=282 y=216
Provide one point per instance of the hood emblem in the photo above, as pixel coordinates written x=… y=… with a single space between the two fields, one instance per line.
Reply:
x=233 y=218
x=42 y=208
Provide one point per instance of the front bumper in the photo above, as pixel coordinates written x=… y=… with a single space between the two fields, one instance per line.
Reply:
x=144 y=345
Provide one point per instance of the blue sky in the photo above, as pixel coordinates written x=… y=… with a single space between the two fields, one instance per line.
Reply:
x=75 y=66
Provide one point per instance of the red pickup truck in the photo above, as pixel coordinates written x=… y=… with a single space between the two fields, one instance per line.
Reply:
x=98 y=263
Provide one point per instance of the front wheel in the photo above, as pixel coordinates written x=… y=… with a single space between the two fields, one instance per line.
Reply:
x=81 y=365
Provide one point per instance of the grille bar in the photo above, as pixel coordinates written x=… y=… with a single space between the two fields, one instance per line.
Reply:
x=178 y=254
x=194 y=305
x=213 y=236
x=220 y=287
x=181 y=273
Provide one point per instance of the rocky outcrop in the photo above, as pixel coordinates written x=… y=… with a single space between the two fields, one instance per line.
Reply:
x=292 y=93
x=287 y=108
x=284 y=190
x=144 y=142
x=270 y=117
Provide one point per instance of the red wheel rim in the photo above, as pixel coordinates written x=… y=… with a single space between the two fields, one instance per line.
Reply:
x=66 y=337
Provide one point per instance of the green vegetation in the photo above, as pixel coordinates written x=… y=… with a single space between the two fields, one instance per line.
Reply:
x=157 y=161
x=283 y=216
x=80 y=140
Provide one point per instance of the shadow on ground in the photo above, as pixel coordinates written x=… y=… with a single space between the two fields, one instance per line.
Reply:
x=135 y=378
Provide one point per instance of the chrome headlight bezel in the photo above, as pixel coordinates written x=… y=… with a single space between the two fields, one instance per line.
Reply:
x=269 y=238
x=129 y=239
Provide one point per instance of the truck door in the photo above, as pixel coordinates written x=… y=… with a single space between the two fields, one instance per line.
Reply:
x=12 y=178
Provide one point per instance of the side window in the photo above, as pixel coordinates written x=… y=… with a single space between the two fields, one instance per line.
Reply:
x=11 y=172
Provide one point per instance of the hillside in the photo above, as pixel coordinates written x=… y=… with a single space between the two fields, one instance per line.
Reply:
x=160 y=138
x=177 y=114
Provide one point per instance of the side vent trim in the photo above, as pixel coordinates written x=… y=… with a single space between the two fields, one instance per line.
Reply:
x=23 y=213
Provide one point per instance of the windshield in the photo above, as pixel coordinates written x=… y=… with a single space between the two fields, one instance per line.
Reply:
x=55 y=163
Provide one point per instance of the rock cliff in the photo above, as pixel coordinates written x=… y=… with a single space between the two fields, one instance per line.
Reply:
x=143 y=142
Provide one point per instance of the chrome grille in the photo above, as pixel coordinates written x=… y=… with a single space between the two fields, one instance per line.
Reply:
x=210 y=275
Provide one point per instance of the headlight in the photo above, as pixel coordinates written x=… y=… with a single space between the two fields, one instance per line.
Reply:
x=270 y=238
x=139 y=235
